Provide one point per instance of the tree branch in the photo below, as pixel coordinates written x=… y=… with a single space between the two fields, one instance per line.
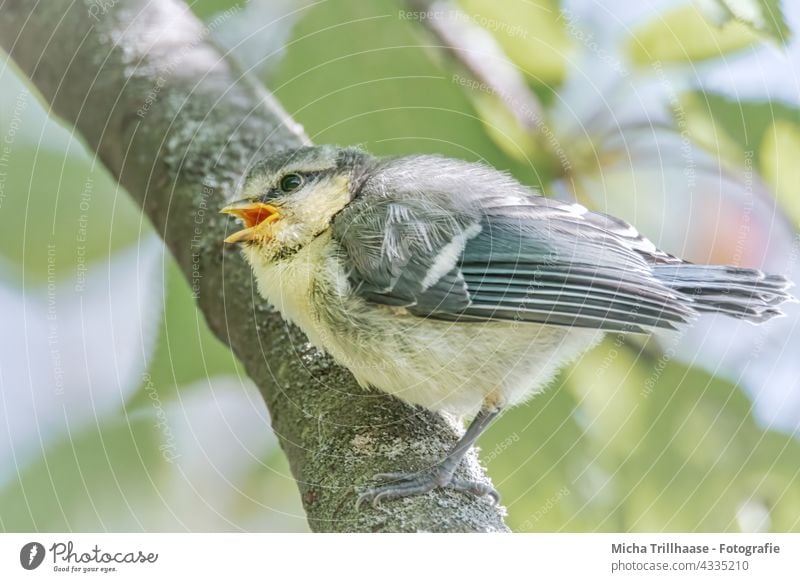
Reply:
x=492 y=73
x=482 y=57
x=176 y=123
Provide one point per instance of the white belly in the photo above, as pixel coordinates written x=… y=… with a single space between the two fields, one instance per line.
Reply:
x=443 y=366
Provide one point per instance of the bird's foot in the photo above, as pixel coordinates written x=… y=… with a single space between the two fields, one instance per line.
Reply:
x=397 y=485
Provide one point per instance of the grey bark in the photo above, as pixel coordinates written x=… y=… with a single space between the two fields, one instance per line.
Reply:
x=176 y=123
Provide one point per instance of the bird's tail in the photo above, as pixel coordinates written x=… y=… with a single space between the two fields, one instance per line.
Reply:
x=747 y=294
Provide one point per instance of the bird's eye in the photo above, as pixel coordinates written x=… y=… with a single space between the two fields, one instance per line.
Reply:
x=291 y=182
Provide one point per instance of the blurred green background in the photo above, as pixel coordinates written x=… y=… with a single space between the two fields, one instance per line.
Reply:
x=123 y=413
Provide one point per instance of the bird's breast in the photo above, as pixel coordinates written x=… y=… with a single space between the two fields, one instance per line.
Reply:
x=437 y=364
x=288 y=284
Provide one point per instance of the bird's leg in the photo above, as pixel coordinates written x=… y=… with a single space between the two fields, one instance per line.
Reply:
x=440 y=475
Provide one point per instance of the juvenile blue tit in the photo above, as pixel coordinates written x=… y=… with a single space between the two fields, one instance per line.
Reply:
x=452 y=286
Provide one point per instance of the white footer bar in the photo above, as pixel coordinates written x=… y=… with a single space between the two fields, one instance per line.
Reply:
x=401 y=557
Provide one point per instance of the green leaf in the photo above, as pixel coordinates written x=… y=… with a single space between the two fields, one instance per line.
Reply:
x=731 y=127
x=763 y=16
x=683 y=35
x=780 y=152
x=503 y=127
x=532 y=34
x=707 y=131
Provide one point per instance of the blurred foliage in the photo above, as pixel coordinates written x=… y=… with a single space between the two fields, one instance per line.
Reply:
x=736 y=130
x=379 y=87
x=187 y=350
x=530 y=33
x=87 y=479
x=763 y=16
x=621 y=448
x=59 y=198
x=745 y=122
x=683 y=34
x=627 y=439
x=780 y=151
x=114 y=477
x=206 y=9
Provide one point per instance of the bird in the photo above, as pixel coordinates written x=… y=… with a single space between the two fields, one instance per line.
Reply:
x=454 y=287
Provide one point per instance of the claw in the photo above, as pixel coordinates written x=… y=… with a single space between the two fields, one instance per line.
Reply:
x=361 y=498
x=389 y=476
x=477 y=489
x=396 y=485
x=408 y=484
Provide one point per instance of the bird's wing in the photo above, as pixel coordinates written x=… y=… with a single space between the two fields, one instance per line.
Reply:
x=510 y=258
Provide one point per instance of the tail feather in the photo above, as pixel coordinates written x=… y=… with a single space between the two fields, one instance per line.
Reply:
x=742 y=293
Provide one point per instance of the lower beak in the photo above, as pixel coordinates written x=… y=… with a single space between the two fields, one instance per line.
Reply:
x=253 y=215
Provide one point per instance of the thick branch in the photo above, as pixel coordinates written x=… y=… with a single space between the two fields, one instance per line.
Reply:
x=176 y=124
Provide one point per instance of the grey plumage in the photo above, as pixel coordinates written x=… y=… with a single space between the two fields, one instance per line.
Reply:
x=521 y=257
x=452 y=286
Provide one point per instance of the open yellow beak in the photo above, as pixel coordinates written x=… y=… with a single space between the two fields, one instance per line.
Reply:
x=252 y=214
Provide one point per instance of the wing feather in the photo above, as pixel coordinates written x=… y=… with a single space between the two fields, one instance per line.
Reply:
x=515 y=257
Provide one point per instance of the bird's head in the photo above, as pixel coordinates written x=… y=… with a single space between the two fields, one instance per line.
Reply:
x=292 y=197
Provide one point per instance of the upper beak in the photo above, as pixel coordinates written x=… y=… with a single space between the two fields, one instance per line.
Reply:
x=252 y=214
